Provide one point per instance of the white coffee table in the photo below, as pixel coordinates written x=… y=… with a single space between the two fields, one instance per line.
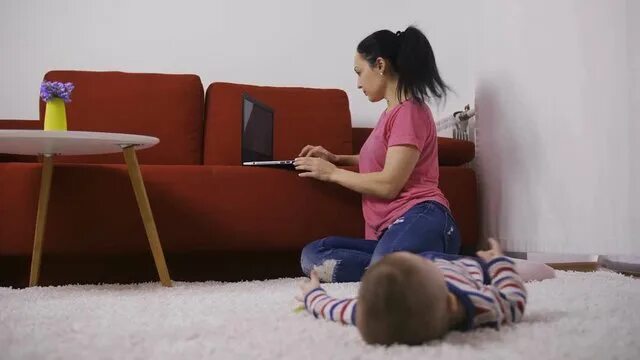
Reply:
x=54 y=143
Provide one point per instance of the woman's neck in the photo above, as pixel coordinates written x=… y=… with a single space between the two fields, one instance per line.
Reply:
x=391 y=95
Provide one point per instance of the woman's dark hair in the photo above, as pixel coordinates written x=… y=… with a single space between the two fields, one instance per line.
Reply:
x=411 y=57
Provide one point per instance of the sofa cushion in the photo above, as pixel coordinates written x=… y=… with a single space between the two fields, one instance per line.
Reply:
x=460 y=188
x=6 y=124
x=195 y=208
x=167 y=106
x=302 y=116
x=452 y=152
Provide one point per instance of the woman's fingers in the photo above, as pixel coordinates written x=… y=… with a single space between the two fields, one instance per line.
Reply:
x=314 y=151
x=305 y=150
x=304 y=164
x=311 y=150
x=317 y=151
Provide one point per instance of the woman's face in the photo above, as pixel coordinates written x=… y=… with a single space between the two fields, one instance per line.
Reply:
x=372 y=83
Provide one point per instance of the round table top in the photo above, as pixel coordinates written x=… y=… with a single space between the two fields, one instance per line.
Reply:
x=37 y=142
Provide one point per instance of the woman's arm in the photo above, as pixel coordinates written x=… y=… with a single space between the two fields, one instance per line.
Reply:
x=506 y=290
x=347 y=160
x=399 y=163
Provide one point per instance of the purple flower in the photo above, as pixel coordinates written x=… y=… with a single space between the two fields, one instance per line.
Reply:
x=56 y=89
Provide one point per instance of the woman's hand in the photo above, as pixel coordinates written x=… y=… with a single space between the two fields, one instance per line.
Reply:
x=307 y=285
x=318 y=152
x=315 y=167
x=494 y=252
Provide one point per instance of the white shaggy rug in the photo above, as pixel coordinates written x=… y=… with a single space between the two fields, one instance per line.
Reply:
x=575 y=316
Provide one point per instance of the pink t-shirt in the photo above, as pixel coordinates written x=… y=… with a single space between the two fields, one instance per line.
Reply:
x=410 y=123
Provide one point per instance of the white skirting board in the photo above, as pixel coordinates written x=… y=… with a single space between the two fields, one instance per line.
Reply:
x=622 y=263
x=560 y=258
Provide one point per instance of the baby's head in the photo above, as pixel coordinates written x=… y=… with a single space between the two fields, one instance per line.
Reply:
x=403 y=299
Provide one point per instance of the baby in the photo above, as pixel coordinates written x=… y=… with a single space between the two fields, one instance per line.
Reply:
x=411 y=299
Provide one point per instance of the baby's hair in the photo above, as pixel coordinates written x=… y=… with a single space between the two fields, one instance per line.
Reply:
x=398 y=303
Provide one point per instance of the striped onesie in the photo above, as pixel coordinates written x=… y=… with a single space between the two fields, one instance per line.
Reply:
x=491 y=293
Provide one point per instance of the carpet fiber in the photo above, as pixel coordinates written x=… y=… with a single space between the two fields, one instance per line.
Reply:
x=576 y=316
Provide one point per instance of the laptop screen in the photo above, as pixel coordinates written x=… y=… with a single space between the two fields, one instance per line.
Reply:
x=257 y=131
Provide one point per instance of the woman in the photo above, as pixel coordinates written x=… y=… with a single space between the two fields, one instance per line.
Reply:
x=404 y=210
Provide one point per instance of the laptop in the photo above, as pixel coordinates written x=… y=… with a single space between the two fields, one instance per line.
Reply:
x=257 y=135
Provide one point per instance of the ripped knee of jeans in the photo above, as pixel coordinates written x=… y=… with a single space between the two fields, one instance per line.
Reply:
x=326 y=270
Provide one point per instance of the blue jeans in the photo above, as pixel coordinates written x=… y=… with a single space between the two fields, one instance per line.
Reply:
x=427 y=226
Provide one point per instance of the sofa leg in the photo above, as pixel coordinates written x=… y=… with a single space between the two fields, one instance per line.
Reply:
x=41 y=218
x=147 y=216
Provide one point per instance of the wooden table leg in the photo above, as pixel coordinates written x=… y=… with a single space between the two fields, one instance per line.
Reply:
x=147 y=215
x=41 y=218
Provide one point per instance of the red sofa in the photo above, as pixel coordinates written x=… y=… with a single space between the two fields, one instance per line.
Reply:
x=216 y=219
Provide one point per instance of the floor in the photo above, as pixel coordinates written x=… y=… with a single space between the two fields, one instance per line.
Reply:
x=577 y=315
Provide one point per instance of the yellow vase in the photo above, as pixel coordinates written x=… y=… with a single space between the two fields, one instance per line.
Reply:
x=55 y=115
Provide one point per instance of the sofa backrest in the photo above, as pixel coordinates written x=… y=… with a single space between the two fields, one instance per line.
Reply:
x=167 y=106
x=302 y=116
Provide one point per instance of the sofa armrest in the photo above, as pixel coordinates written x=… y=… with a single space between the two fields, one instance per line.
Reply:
x=459 y=186
x=451 y=152
x=6 y=124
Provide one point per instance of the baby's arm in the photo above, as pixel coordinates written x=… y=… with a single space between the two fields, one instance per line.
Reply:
x=507 y=290
x=319 y=304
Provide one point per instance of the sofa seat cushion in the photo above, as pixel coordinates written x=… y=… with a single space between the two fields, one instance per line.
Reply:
x=92 y=209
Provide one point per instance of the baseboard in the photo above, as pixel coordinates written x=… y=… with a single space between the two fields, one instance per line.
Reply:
x=560 y=258
x=201 y=265
x=584 y=266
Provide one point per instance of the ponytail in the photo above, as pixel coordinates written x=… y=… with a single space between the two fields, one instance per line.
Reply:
x=411 y=58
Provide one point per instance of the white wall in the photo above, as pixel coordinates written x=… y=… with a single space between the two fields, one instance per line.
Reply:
x=633 y=44
x=275 y=42
x=558 y=85
x=554 y=120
